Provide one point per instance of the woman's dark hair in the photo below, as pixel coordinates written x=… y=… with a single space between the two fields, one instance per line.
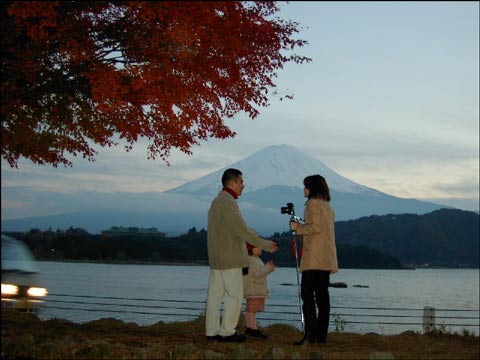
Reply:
x=230 y=174
x=318 y=187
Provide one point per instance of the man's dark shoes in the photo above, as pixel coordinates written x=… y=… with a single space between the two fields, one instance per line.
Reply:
x=233 y=338
x=255 y=333
x=214 y=338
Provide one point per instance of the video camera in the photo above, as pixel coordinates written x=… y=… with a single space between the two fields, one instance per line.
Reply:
x=287 y=209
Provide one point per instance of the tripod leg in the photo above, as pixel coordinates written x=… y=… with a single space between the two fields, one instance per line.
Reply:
x=294 y=238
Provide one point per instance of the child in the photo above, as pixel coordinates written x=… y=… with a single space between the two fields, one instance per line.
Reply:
x=255 y=289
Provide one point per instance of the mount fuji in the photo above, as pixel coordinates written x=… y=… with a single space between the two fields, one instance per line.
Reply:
x=274 y=166
x=273 y=177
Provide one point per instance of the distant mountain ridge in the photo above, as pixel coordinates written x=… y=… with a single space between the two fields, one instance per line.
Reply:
x=446 y=237
x=273 y=177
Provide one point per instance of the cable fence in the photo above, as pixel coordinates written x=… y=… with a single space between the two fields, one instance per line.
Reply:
x=342 y=318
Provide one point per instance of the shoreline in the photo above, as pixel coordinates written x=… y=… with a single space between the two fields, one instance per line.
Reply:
x=127 y=262
x=205 y=263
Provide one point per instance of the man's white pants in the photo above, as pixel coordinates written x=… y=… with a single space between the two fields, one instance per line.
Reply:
x=224 y=285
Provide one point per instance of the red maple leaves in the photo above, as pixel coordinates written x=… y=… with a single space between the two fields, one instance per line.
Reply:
x=80 y=73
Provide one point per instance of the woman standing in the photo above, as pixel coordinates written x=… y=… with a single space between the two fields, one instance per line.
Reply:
x=319 y=258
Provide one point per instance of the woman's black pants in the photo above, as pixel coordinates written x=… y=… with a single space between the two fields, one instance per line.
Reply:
x=315 y=296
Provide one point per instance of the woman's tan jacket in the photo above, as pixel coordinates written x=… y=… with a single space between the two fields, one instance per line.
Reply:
x=319 y=249
x=255 y=283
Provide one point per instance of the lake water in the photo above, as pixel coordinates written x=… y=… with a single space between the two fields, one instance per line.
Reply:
x=390 y=301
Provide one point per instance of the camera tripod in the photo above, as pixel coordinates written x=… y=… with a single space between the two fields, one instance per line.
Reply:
x=289 y=209
x=295 y=248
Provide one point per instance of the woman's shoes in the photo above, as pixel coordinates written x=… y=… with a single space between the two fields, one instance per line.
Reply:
x=300 y=342
x=306 y=340
x=255 y=333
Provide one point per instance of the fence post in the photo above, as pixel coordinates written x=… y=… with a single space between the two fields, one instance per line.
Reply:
x=428 y=319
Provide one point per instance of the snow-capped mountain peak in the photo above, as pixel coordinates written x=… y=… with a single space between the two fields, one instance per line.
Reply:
x=282 y=165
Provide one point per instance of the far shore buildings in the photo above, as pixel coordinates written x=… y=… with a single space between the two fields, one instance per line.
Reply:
x=128 y=231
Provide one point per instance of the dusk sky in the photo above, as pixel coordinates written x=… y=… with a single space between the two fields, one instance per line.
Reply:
x=390 y=101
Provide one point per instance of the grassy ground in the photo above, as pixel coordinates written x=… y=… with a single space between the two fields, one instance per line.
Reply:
x=25 y=336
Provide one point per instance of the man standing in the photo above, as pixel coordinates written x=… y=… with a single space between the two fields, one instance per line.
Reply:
x=227 y=234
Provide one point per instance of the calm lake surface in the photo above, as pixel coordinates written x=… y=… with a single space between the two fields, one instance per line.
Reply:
x=388 y=301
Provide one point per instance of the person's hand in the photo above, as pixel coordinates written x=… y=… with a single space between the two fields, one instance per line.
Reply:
x=274 y=247
x=272 y=265
x=293 y=225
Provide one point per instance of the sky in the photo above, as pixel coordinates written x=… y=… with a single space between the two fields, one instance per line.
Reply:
x=390 y=101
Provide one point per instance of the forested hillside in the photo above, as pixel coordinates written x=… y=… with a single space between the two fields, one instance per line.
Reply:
x=446 y=237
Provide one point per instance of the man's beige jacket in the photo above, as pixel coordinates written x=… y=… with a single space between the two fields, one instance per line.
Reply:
x=227 y=234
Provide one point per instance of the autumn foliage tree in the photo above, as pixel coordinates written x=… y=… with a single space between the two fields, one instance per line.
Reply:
x=81 y=73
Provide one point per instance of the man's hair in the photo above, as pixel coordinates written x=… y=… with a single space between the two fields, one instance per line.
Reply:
x=230 y=174
x=318 y=187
